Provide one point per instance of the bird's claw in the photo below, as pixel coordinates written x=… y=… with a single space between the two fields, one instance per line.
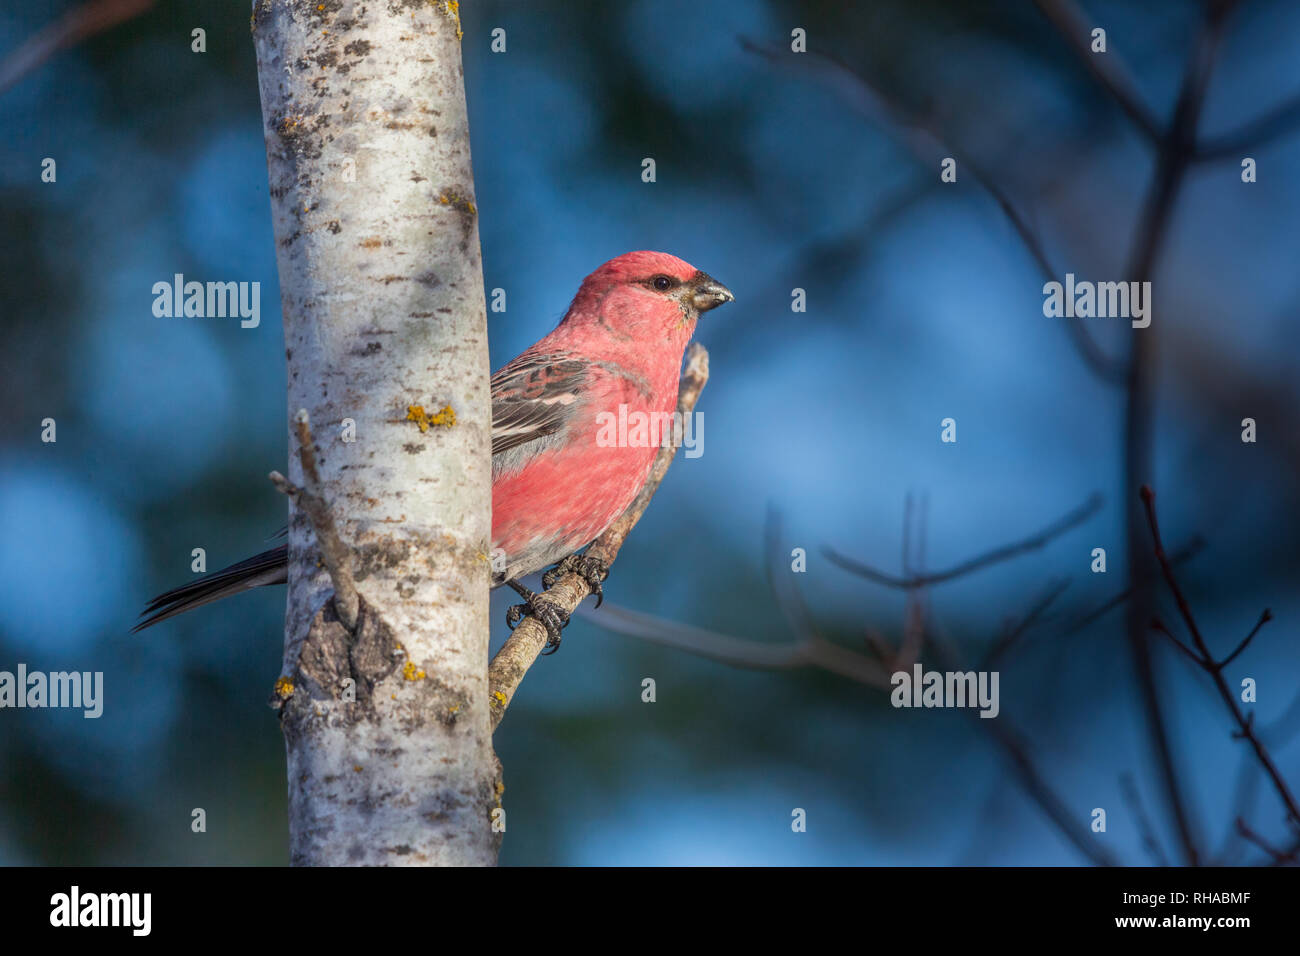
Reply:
x=548 y=613
x=592 y=570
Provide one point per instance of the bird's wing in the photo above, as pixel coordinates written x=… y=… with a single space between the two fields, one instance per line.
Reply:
x=534 y=396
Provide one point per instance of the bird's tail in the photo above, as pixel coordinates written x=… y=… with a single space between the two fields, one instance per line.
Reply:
x=269 y=567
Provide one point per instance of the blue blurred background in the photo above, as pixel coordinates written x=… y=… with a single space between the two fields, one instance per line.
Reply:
x=922 y=304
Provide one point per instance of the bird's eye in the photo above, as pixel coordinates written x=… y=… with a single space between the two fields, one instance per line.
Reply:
x=662 y=283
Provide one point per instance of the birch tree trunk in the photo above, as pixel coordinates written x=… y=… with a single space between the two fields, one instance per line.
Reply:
x=384 y=706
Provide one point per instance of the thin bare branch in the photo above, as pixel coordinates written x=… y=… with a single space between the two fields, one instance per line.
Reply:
x=1245 y=725
x=1172 y=162
x=70 y=29
x=1265 y=616
x=997 y=555
x=1109 y=70
x=1013 y=634
x=1278 y=856
x=743 y=652
x=1185 y=553
x=1159 y=626
x=1254 y=135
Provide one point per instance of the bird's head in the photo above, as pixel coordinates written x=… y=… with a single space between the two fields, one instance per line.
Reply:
x=648 y=296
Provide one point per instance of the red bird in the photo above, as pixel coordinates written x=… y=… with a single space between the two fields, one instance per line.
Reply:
x=557 y=481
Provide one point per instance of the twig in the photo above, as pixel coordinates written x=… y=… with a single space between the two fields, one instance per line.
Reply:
x=1279 y=856
x=311 y=500
x=1265 y=616
x=1032 y=543
x=1203 y=656
x=520 y=650
x=74 y=26
x=1013 y=634
x=1108 y=70
x=1253 y=135
x=1184 y=553
x=744 y=652
x=1159 y=625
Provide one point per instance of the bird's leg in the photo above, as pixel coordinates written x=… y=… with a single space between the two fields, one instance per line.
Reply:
x=552 y=616
x=592 y=570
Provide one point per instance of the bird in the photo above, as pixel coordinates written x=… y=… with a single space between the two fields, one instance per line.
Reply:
x=559 y=476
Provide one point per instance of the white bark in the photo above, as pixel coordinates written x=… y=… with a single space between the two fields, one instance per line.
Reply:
x=382 y=291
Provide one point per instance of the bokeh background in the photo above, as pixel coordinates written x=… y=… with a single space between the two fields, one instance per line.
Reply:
x=922 y=304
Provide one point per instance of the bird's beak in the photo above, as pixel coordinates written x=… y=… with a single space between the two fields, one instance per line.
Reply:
x=708 y=293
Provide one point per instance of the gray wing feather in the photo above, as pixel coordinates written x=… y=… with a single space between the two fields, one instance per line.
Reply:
x=533 y=398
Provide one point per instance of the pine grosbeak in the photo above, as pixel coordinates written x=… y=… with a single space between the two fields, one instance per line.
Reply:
x=556 y=485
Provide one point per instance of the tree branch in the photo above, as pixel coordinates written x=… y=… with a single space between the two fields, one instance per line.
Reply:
x=1253 y=135
x=1265 y=616
x=1278 y=856
x=1159 y=625
x=1204 y=658
x=1108 y=70
x=1004 y=553
x=1184 y=553
x=519 y=652
x=1013 y=634
x=75 y=25
x=1172 y=160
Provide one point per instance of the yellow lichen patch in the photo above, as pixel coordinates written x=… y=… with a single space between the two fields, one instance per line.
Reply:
x=411 y=672
x=417 y=414
x=453 y=709
x=450 y=198
x=356 y=768
x=498 y=698
x=284 y=688
x=452 y=9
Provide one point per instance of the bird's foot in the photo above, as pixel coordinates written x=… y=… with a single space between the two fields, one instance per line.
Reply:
x=551 y=615
x=592 y=570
